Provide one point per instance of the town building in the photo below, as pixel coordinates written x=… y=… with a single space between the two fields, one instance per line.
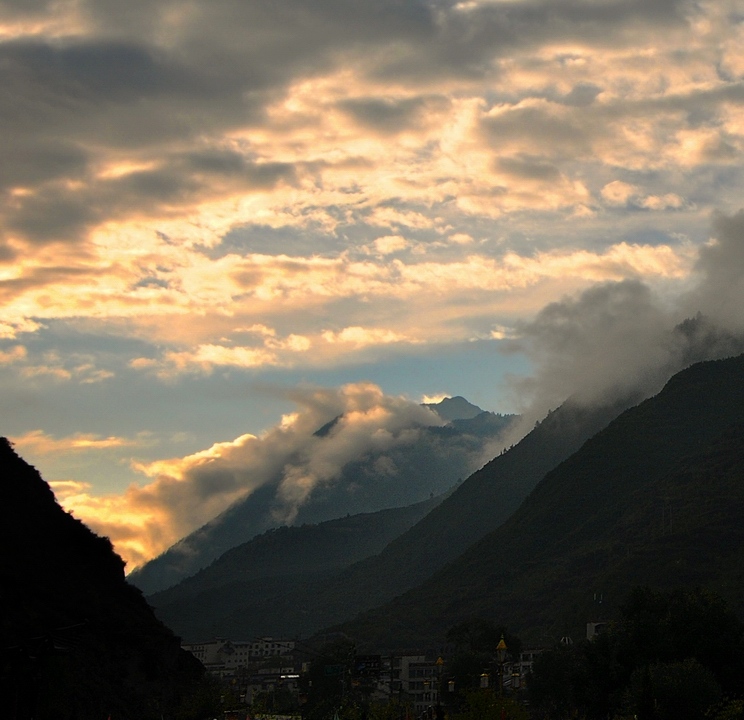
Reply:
x=221 y=655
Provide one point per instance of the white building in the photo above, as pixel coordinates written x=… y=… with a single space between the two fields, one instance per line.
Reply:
x=220 y=654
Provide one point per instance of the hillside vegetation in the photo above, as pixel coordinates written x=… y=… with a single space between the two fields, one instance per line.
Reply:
x=242 y=607
x=654 y=499
x=424 y=461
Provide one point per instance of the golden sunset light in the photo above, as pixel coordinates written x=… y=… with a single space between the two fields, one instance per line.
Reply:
x=226 y=224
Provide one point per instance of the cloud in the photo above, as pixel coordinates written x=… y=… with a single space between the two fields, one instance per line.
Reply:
x=274 y=287
x=390 y=244
x=360 y=337
x=622 y=194
x=622 y=339
x=611 y=340
x=38 y=442
x=719 y=292
x=614 y=339
x=66 y=489
x=216 y=99
x=13 y=354
x=74 y=366
x=186 y=492
x=215 y=188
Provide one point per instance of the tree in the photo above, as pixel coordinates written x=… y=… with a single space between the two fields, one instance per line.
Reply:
x=673 y=691
x=668 y=655
x=488 y=705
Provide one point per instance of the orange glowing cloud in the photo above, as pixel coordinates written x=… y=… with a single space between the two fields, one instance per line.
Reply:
x=186 y=492
x=38 y=442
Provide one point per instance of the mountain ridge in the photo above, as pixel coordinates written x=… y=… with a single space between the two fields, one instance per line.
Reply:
x=473 y=508
x=575 y=533
x=429 y=463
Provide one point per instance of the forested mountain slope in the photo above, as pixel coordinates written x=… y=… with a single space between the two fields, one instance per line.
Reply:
x=423 y=461
x=481 y=503
x=656 y=498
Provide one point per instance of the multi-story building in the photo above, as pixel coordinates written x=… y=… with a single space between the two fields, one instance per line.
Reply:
x=416 y=680
x=220 y=655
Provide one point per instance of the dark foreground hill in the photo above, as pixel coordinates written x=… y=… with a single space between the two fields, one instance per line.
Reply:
x=656 y=499
x=76 y=640
x=242 y=607
x=272 y=567
x=423 y=461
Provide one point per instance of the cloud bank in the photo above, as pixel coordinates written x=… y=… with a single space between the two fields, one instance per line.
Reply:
x=611 y=341
x=178 y=171
x=622 y=339
x=195 y=195
x=184 y=493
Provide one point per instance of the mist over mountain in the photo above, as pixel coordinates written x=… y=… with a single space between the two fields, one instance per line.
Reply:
x=653 y=499
x=612 y=341
x=623 y=337
x=394 y=466
x=227 y=598
x=606 y=349
x=77 y=640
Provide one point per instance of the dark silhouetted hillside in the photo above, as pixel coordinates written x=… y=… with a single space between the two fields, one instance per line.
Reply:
x=654 y=499
x=272 y=566
x=77 y=640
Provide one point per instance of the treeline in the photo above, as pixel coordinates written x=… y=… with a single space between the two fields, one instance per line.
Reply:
x=675 y=655
x=668 y=656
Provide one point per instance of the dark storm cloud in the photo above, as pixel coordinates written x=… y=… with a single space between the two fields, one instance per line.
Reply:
x=464 y=42
x=50 y=215
x=100 y=70
x=18 y=9
x=152 y=77
x=230 y=164
x=222 y=48
x=27 y=161
x=565 y=136
x=69 y=88
x=581 y=95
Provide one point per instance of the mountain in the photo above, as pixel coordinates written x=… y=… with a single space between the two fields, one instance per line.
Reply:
x=272 y=566
x=654 y=499
x=424 y=461
x=455 y=408
x=77 y=640
x=475 y=507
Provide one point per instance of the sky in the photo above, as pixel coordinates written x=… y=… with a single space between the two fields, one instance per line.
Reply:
x=222 y=221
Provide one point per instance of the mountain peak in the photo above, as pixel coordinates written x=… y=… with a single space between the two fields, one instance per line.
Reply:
x=455 y=408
